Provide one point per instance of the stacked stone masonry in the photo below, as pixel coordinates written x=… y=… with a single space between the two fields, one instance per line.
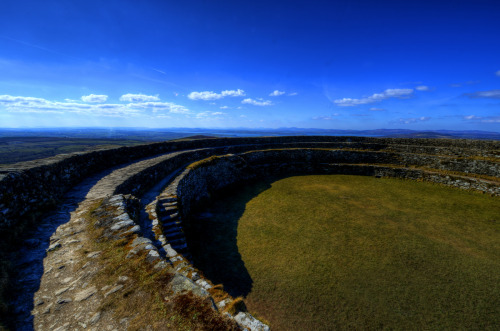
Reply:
x=204 y=167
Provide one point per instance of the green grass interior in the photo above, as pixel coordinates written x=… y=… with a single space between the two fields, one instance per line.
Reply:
x=353 y=252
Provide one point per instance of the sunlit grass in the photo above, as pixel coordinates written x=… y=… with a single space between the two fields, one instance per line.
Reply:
x=325 y=252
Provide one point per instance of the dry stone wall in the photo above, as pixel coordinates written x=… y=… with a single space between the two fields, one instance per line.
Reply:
x=30 y=187
x=207 y=166
x=197 y=184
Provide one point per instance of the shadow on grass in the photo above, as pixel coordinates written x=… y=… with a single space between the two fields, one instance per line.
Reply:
x=212 y=238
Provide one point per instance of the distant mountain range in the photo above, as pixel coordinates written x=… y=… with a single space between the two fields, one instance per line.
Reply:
x=147 y=134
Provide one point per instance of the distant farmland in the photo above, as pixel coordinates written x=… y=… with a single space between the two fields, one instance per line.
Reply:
x=20 y=149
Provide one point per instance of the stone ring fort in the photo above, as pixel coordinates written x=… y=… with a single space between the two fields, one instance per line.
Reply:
x=140 y=198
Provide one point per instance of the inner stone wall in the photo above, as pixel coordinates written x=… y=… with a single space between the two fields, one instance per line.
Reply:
x=198 y=183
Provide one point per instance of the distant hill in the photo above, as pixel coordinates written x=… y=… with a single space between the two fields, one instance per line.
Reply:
x=426 y=134
x=147 y=134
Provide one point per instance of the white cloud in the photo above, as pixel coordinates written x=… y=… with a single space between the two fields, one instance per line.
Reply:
x=413 y=120
x=158 y=106
x=422 y=88
x=224 y=107
x=377 y=109
x=138 y=98
x=206 y=95
x=292 y=94
x=377 y=97
x=207 y=114
x=276 y=93
x=11 y=99
x=498 y=73
x=210 y=95
x=485 y=119
x=39 y=105
x=94 y=98
x=233 y=93
x=322 y=118
x=257 y=102
x=491 y=94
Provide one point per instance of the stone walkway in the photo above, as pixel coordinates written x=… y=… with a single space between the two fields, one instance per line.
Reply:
x=51 y=292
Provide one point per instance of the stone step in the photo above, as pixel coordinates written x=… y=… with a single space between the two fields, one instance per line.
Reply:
x=173 y=229
x=169 y=210
x=169 y=218
x=174 y=235
x=166 y=199
x=177 y=242
x=171 y=224
x=169 y=204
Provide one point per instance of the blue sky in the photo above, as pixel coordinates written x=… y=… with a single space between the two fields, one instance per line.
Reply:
x=314 y=64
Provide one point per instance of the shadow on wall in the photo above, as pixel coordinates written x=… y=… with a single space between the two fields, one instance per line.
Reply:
x=212 y=239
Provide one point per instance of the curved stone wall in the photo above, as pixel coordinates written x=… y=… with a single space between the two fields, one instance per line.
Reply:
x=30 y=187
x=205 y=178
x=204 y=167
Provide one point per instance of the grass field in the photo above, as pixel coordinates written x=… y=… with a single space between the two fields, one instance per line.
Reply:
x=353 y=252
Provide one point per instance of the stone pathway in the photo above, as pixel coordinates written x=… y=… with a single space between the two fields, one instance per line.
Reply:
x=49 y=291
x=66 y=299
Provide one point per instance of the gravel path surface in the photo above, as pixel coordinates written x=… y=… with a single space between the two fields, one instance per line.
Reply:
x=44 y=263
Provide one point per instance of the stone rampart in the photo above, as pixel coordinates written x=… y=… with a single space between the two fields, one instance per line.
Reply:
x=210 y=165
x=200 y=181
x=30 y=187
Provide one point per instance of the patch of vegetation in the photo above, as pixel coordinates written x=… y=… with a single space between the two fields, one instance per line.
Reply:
x=354 y=252
x=147 y=300
x=20 y=149
x=205 y=162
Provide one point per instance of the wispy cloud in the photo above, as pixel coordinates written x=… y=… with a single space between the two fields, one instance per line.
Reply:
x=209 y=114
x=206 y=95
x=413 y=120
x=276 y=93
x=259 y=102
x=483 y=119
x=422 y=88
x=210 y=95
x=138 y=98
x=292 y=94
x=377 y=97
x=160 y=71
x=376 y=109
x=158 y=106
x=491 y=94
x=322 y=118
x=470 y=82
x=233 y=93
x=39 y=105
x=95 y=98
x=498 y=73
